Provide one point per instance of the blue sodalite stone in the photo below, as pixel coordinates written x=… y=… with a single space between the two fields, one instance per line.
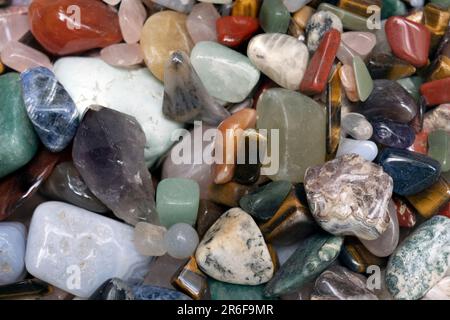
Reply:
x=412 y=172
x=50 y=108
x=146 y=292
x=393 y=134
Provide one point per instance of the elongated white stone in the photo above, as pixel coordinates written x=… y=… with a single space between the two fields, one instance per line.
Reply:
x=77 y=250
x=12 y=252
x=280 y=57
x=366 y=149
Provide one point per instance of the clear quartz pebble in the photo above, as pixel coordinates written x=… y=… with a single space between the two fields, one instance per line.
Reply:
x=356 y=126
x=122 y=54
x=149 y=239
x=21 y=57
x=181 y=240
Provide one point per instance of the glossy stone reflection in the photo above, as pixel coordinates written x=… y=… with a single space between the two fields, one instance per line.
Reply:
x=393 y=134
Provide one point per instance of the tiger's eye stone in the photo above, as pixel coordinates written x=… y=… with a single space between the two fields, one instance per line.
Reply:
x=53 y=23
x=359 y=7
x=428 y=202
x=355 y=256
x=246 y=8
x=436 y=19
x=334 y=98
x=439 y=148
x=385 y=66
x=191 y=280
x=228 y=194
x=441 y=69
x=25 y=288
x=435 y=92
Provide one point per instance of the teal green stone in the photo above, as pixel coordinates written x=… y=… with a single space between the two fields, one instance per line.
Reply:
x=265 y=201
x=364 y=82
x=177 y=201
x=393 y=8
x=412 y=85
x=420 y=261
x=226 y=291
x=439 y=148
x=274 y=17
x=350 y=21
x=315 y=255
x=18 y=141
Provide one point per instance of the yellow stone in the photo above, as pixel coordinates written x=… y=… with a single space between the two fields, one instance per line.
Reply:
x=246 y=8
x=359 y=7
x=163 y=33
x=442 y=69
x=302 y=16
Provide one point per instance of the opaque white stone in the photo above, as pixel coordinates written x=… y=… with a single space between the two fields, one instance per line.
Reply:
x=135 y=92
x=366 y=149
x=77 y=250
x=12 y=252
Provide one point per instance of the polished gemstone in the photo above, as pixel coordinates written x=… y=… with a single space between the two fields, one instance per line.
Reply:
x=361 y=43
x=318 y=24
x=145 y=292
x=192 y=281
x=356 y=126
x=347 y=76
x=12 y=254
x=30 y=289
x=439 y=148
x=177 y=5
x=108 y=151
x=355 y=256
x=226 y=74
x=181 y=240
x=233 y=31
x=349 y=20
x=364 y=83
x=393 y=134
x=201 y=22
x=294 y=5
x=393 y=8
x=132 y=15
x=21 y=57
x=437 y=119
x=228 y=194
x=280 y=57
x=405 y=214
x=364 y=148
x=60 y=34
x=162 y=269
x=333 y=111
x=389 y=67
x=412 y=85
x=246 y=8
x=274 y=16
x=350 y=196
x=440 y=291
x=122 y=54
x=14 y=26
x=113 y=289
x=251 y=151
x=435 y=92
x=227 y=291
x=428 y=202
x=149 y=239
x=208 y=213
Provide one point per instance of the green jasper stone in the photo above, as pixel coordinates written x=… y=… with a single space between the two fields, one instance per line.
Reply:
x=412 y=85
x=439 y=148
x=392 y=8
x=350 y=21
x=364 y=82
x=265 y=201
x=18 y=141
x=226 y=291
x=177 y=201
x=315 y=255
x=274 y=17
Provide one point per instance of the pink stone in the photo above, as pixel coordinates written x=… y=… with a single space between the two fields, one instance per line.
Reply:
x=122 y=54
x=348 y=82
x=20 y=57
x=13 y=10
x=132 y=15
x=201 y=22
x=362 y=43
x=12 y=27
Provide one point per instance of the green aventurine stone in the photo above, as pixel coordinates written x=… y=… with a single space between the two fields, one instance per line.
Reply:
x=300 y=135
x=364 y=83
x=439 y=148
x=315 y=255
x=177 y=201
x=226 y=291
x=412 y=85
x=265 y=201
x=274 y=17
x=349 y=20
x=18 y=141
x=392 y=8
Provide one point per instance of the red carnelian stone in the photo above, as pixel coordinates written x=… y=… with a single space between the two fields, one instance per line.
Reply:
x=420 y=144
x=232 y=31
x=54 y=24
x=445 y=210
x=316 y=74
x=436 y=92
x=406 y=216
x=408 y=40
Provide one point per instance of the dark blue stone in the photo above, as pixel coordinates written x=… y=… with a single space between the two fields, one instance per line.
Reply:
x=412 y=172
x=50 y=108
x=146 y=292
x=393 y=134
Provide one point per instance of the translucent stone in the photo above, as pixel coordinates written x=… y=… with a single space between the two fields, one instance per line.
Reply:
x=364 y=83
x=181 y=240
x=149 y=239
x=440 y=291
x=177 y=5
x=366 y=149
x=201 y=22
x=12 y=28
x=122 y=54
x=294 y=5
x=361 y=43
x=132 y=15
x=356 y=126
x=12 y=253
x=348 y=81
x=20 y=57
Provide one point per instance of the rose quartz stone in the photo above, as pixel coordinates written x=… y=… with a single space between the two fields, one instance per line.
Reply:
x=20 y=57
x=13 y=10
x=201 y=22
x=362 y=43
x=347 y=76
x=12 y=28
x=122 y=54
x=132 y=15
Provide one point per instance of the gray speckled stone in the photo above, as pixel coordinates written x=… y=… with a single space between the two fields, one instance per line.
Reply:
x=318 y=25
x=420 y=261
x=233 y=250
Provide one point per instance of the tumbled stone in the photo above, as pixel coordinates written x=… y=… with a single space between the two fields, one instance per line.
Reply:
x=208 y=213
x=62 y=238
x=62 y=35
x=350 y=20
x=12 y=253
x=161 y=271
x=145 y=292
x=32 y=289
x=364 y=148
x=319 y=23
x=132 y=15
x=306 y=263
x=21 y=57
x=14 y=26
x=347 y=77
x=50 y=108
x=233 y=251
x=411 y=172
x=405 y=215
x=438 y=118
x=355 y=256
x=18 y=142
x=434 y=198
x=361 y=43
x=439 y=148
x=420 y=261
x=201 y=22
x=440 y=291
x=108 y=152
x=122 y=55
x=349 y=196
x=412 y=85
x=149 y=239
x=356 y=126
x=113 y=289
x=435 y=92
x=364 y=83
x=226 y=74
x=90 y=81
x=281 y=57
x=172 y=35
x=389 y=67
x=245 y=8
x=278 y=109
x=181 y=240
x=274 y=17
x=227 y=291
x=233 y=31
x=228 y=194
x=192 y=281
x=177 y=5
x=393 y=134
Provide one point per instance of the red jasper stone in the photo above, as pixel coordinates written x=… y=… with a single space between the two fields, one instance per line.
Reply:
x=232 y=31
x=266 y=84
x=445 y=210
x=420 y=144
x=54 y=24
x=436 y=92
x=406 y=216
x=408 y=40
x=316 y=74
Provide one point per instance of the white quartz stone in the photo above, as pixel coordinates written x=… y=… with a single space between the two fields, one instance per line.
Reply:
x=233 y=250
x=294 y=5
x=12 y=252
x=280 y=57
x=77 y=250
x=366 y=149
x=132 y=91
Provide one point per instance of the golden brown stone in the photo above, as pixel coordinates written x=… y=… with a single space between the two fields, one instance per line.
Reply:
x=302 y=16
x=246 y=8
x=441 y=69
x=359 y=7
x=191 y=280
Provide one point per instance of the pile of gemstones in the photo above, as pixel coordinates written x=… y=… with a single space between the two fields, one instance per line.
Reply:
x=224 y=149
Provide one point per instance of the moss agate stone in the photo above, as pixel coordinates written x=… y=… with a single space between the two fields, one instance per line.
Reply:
x=420 y=261
x=226 y=291
x=18 y=141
